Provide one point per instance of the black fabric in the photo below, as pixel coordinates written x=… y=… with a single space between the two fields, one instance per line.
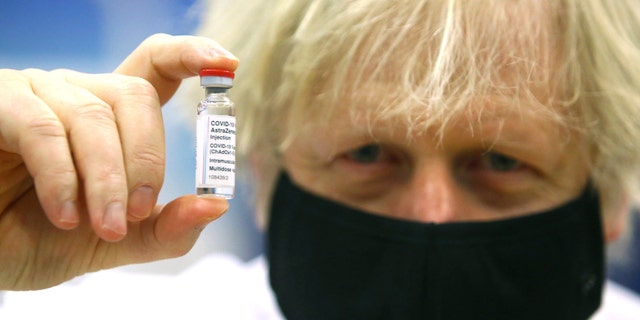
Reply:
x=328 y=261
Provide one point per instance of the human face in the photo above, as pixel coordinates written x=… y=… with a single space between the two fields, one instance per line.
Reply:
x=507 y=164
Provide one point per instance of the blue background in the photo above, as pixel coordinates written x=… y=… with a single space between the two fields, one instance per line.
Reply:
x=94 y=36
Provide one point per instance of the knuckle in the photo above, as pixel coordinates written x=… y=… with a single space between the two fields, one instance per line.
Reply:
x=174 y=250
x=60 y=177
x=138 y=86
x=98 y=112
x=148 y=157
x=67 y=173
x=64 y=73
x=9 y=76
x=110 y=176
x=156 y=38
x=9 y=73
x=46 y=126
x=139 y=91
x=153 y=41
x=30 y=74
x=33 y=71
x=180 y=251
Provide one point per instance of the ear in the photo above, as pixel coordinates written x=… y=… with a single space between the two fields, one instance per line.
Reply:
x=616 y=218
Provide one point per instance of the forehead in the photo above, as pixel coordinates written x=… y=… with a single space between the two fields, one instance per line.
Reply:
x=386 y=107
x=483 y=121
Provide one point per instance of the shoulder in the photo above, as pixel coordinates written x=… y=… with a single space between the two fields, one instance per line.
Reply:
x=618 y=303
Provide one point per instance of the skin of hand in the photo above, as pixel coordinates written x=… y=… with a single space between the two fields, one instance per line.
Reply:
x=82 y=163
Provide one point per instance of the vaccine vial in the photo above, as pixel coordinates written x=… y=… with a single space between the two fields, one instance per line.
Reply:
x=216 y=136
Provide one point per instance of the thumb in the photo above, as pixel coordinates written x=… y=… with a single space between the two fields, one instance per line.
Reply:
x=174 y=228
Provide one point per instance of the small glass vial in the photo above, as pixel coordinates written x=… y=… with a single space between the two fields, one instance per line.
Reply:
x=216 y=136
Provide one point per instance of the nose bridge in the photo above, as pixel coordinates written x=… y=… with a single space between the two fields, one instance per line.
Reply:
x=433 y=195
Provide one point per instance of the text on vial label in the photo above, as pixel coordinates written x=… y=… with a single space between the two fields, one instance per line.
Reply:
x=216 y=150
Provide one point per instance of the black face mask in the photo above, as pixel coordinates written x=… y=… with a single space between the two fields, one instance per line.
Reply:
x=328 y=261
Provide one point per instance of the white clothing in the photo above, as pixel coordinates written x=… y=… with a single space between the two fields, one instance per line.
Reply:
x=217 y=287
x=618 y=303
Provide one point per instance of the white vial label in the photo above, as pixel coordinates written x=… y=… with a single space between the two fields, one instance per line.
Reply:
x=216 y=151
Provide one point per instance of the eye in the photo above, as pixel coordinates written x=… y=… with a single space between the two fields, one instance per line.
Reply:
x=499 y=162
x=495 y=174
x=367 y=154
x=367 y=169
x=370 y=159
x=493 y=162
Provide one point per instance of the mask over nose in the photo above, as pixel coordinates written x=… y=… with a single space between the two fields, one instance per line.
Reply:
x=328 y=261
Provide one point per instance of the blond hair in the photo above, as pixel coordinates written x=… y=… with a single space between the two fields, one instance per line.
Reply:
x=299 y=58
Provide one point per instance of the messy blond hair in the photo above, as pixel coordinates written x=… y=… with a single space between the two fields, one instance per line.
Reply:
x=299 y=58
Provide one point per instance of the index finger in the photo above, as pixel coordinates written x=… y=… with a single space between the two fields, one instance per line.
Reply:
x=165 y=60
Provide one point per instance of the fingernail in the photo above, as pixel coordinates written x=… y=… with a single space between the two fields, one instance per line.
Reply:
x=114 y=218
x=141 y=202
x=217 y=51
x=69 y=214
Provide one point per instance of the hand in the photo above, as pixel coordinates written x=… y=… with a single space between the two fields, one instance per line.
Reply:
x=82 y=163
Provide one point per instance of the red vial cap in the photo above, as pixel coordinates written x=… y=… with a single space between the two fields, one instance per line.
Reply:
x=217 y=73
